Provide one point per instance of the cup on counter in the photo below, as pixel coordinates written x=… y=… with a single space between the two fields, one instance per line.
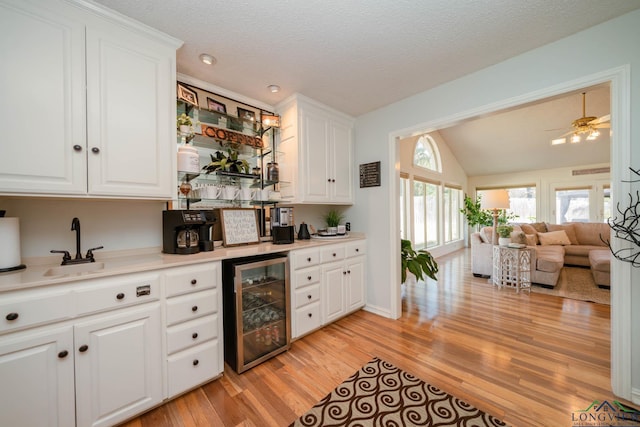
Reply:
x=230 y=192
x=247 y=193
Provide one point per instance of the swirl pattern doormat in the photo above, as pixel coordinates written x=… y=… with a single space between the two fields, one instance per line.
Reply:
x=380 y=394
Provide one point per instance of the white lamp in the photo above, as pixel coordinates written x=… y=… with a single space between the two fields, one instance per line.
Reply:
x=495 y=200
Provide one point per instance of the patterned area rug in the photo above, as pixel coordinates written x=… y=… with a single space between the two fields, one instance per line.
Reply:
x=576 y=283
x=380 y=394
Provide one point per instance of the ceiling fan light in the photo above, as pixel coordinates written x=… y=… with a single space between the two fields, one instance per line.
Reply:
x=593 y=135
x=575 y=138
x=558 y=141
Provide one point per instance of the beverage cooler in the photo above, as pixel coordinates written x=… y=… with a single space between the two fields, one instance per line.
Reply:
x=256 y=309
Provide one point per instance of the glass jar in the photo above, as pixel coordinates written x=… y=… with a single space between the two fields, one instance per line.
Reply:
x=273 y=173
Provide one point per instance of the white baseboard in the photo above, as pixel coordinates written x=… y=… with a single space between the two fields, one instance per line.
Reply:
x=635 y=395
x=384 y=312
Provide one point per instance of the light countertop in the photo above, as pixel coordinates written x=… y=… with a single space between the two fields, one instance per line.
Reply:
x=135 y=261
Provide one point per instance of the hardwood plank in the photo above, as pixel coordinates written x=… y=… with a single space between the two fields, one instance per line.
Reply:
x=529 y=359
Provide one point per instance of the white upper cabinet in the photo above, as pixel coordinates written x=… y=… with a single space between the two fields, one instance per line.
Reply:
x=316 y=164
x=89 y=106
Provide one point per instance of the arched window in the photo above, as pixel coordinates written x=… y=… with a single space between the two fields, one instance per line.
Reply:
x=426 y=154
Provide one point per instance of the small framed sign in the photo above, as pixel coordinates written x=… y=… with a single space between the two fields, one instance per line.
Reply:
x=370 y=175
x=239 y=226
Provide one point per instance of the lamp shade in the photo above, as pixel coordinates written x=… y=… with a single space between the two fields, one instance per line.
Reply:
x=495 y=199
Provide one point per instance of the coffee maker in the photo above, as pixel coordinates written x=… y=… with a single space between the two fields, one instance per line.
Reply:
x=205 y=235
x=180 y=231
x=282 y=228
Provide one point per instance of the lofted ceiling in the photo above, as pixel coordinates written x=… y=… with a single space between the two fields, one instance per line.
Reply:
x=520 y=139
x=360 y=55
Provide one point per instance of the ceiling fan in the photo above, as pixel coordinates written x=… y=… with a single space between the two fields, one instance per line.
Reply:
x=584 y=125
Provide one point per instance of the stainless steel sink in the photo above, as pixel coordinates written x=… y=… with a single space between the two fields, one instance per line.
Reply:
x=63 y=270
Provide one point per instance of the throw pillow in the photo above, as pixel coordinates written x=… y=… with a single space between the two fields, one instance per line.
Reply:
x=540 y=227
x=554 y=238
x=487 y=234
x=568 y=228
x=532 y=239
x=528 y=229
x=518 y=237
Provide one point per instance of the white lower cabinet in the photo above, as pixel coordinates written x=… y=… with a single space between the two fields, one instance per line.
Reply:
x=118 y=366
x=36 y=370
x=99 y=365
x=194 y=334
x=327 y=283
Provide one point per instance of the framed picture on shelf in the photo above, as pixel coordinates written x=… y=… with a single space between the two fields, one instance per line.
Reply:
x=239 y=226
x=187 y=95
x=246 y=114
x=214 y=105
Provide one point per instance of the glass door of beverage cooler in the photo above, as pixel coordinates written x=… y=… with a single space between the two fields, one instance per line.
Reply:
x=262 y=311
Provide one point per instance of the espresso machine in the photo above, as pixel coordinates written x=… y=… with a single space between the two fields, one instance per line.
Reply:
x=282 y=225
x=180 y=231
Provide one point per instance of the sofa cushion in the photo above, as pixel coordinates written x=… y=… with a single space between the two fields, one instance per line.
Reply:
x=540 y=227
x=568 y=228
x=580 y=250
x=588 y=233
x=600 y=260
x=549 y=258
x=532 y=239
x=554 y=238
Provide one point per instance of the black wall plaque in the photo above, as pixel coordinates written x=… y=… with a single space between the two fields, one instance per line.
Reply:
x=370 y=175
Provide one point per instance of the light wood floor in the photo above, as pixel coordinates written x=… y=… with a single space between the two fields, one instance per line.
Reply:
x=530 y=360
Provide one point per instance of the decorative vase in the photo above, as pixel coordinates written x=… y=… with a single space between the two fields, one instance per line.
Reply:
x=185 y=129
x=504 y=241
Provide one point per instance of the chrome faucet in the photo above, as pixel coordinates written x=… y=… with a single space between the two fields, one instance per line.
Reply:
x=66 y=258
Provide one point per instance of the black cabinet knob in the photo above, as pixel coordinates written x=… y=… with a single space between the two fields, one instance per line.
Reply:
x=95 y=150
x=12 y=316
x=308 y=277
x=120 y=296
x=194 y=308
x=194 y=281
x=309 y=259
x=83 y=348
x=194 y=335
x=195 y=362
x=329 y=180
x=63 y=354
x=77 y=147
x=344 y=272
x=334 y=254
x=349 y=271
x=310 y=315
x=333 y=180
x=309 y=296
x=357 y=250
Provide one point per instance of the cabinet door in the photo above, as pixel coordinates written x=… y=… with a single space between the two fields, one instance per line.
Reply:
x=37 y=378
x=333 y=278
x=42 y=106
x=118 y=365
x=341 y=162
x=131 y=113
x=315 y=149
x=355 y=291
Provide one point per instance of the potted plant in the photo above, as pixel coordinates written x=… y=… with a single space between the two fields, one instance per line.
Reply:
x=474 y=213
x=184 y=123
x=504 y=233
x=419 y=263
x=230 y=163
x=333 y=218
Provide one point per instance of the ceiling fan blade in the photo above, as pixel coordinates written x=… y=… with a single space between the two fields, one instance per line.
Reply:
x=602 y=125
x=566 y=134
x=602 y=119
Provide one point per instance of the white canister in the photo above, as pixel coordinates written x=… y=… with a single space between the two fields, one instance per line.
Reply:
x=188 y=159
x=10 y=247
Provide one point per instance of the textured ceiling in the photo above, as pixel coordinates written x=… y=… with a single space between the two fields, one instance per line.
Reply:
x=357 y=55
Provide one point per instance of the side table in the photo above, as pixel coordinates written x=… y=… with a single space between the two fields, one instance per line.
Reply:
x=512 y=267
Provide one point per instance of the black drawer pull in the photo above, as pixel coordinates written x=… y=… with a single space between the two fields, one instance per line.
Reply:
x=357 y=250
x=310 y=315
x=120 y=296
x=344 y=272
x=334 y=254
x=349 y=271
x=194 y=308
x=63 y=354
x=309 y=296
x=12 y=316
x=95 y=150
x=308 y=277
x=309 y=259
x=77 y=147
x=194 y=335
x=83 y=348
x=194 y=281
x=195 y=362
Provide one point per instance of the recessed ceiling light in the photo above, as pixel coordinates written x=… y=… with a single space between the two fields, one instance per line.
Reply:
x=207 y=59
x=274 y=88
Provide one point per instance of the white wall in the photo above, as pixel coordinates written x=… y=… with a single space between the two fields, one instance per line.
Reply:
x=537 y=71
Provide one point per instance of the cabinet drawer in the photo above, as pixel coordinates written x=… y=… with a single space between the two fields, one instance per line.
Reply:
x=356 y=248
x=306 y=277
x=191 y=279
x=307 y=295
x=191 y=306
x=117 y=292
x=31 y=309
x=302 y=259
x=191 y=333
x=332 y=253
x=307 y=319
x=193 y=367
